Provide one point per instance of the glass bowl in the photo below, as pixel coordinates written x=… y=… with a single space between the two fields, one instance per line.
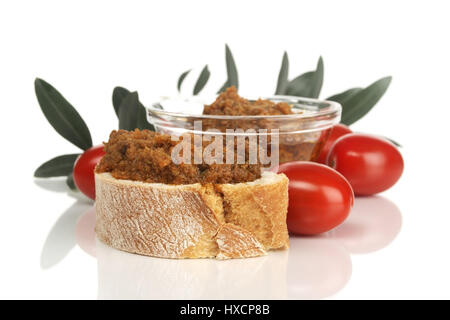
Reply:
x=299 y=136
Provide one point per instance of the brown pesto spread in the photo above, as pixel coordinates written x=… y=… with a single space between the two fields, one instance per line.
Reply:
x=229 y=103
x=292 y=147
x=144 y=155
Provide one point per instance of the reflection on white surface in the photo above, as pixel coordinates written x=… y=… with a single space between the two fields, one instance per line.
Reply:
x=84 y=232
x=313 y=267
x=52 y=184
x=318 y=267
x=372 y=225
x=58 y=184
x=127 y=276
x=61 y=238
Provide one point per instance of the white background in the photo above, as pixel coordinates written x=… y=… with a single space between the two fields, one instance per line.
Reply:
x=85 y=48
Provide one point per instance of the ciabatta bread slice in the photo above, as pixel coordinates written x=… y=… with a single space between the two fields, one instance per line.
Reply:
x=193 y=221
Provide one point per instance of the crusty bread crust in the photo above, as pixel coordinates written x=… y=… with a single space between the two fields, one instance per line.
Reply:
x=193 y=221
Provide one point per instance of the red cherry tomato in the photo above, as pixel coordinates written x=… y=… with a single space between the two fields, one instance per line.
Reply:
x=83 y=170
x=369 y=163
x=336 y=132
x=319 y=197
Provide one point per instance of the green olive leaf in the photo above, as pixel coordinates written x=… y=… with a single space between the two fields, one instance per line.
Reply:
x=393 y=142
x=318 y=79
x=70 y=183
x=300 y=86
x=62 y=116
x=142 y=122
x=202 y=80
x=132 y=113
x=283 y=75
x=181 y=79
x=362 y=101
x=128 y=111
x=344 y=96
x=224 y=87
x=308 y=84
x=232 y=73
x=57 y=167
x=119 y=93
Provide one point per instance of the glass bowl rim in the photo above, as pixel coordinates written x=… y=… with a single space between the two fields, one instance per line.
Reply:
x=332 y=109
